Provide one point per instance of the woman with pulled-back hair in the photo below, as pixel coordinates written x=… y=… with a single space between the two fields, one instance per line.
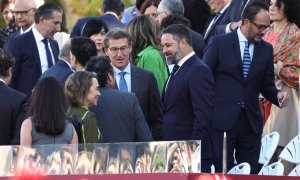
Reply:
x=48 y=122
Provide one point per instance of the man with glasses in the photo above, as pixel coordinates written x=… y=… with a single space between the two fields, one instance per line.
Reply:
x=242 y=64
x=129 y=78
x=23 y=12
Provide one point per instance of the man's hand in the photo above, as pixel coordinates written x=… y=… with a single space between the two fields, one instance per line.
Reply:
x=235 y=25
x=282 y=98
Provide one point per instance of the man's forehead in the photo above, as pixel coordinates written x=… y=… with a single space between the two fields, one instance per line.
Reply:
x=117 y=42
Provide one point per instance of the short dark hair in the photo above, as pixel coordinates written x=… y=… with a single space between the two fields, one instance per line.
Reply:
x=83 y=49
x=48 y=106
x=102 y=67
x=7 y=61
x=116 y=6
x=77 y=87
x=115 y=34
x=253 y=9
x=93 y=26
x=139 y=3
x=174 y=19
x=46 y=10
x=5 y=3
x=179 y=32
x=290 y=9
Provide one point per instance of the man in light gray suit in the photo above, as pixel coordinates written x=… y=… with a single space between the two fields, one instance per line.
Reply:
x=119 y=116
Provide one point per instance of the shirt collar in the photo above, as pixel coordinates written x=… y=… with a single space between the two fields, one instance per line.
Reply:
x=225 y=7
x=109 y=12
x=180 y=63
x=241 y=36
x=127 y=69
x=2 y=81
x=37 y=35
x=28 y=29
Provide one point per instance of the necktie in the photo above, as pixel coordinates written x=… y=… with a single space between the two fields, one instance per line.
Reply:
x=246 y=60
x=49 y=57
x=175 y=68
x=213 y=22
x=122 y=83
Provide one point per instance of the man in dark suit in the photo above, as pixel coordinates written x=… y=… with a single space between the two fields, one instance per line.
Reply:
x=63 y=68
x=220 y=8
x=118 y=114
x=35 y=51
x=13 y=104
x=232 y=18
x=129 y=78
x=112 y=9
x=198 y=12
x=24 y=11
x=188 y=95
x=242 y=64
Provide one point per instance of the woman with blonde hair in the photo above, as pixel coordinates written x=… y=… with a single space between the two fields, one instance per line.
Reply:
x=146 y=48
x=81 y=90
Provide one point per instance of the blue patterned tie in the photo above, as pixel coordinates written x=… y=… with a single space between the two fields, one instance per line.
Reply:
x=122 y=83
x=49 y=57
x=246 y=60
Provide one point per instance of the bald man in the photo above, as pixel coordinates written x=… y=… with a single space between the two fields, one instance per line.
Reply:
x=24 y=11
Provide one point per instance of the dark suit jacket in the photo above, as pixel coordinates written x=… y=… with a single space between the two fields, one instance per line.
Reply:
x=144 y=86
x=27 y=69
x=188 y=106
x=233 y=14
x=13 y=35
x=198 y=12
x=120 y=118
x=197 y=43
x=61 y=71
x=224 y=58
x=13 y=109
x=110 y=20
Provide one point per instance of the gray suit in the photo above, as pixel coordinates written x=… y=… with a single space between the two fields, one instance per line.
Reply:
x=119 y=117
x=144 y=86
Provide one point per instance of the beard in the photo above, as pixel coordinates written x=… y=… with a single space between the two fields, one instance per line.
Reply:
x=173 y=59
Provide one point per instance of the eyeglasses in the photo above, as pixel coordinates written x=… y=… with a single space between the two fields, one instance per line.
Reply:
x=115 y=50
x=261 y=27
x=22 y=13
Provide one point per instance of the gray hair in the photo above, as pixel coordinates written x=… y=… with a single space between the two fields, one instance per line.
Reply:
x=172 y=6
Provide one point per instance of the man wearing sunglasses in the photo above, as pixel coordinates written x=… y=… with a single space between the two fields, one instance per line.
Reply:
x=242 y=64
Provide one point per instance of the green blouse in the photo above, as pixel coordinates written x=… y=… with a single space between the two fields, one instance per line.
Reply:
x=151 y=60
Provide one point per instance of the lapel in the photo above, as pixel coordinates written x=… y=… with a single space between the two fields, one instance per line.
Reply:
x=255 y=60
x=135 y=74
x=54 y=48
x=175 y=81
x=32 y=44
x=237 y=53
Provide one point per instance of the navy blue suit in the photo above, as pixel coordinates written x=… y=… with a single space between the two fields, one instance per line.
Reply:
x=27 y=69
x=188 y=107
x=61 y=71
x=110 y=20
x=232 y=91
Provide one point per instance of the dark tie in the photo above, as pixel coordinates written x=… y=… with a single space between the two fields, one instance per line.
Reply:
x=122 y=83
x=175 y=68
x=49 y=57
x=213 y=22
x=246 y=60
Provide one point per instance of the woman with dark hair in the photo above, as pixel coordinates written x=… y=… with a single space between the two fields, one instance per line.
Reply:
x=145 y=48
x=284 y=35
x=149 y=8
x=95 y=29
x=7 y=7
x=81 y=90
x=48 y=123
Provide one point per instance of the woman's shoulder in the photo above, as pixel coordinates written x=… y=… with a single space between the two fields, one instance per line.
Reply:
x=150 y=51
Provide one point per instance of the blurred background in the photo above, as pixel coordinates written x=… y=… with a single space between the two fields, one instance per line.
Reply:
x=74 y=9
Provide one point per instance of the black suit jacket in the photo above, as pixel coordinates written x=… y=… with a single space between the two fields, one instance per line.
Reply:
x=224 y=58
x=110 y=20
x=144 y=86
x=13 y=109
x=198 y=12
x=61 y=71
x=120 y=118
x=13 y=35
x=27 y=69
x=197 y=43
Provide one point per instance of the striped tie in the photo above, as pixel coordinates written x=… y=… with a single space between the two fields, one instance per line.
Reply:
x=246 y=60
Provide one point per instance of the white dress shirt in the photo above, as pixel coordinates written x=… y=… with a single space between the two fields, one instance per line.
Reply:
x=242 y=40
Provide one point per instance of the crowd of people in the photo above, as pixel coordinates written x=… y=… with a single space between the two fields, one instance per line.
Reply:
x=158 y=70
